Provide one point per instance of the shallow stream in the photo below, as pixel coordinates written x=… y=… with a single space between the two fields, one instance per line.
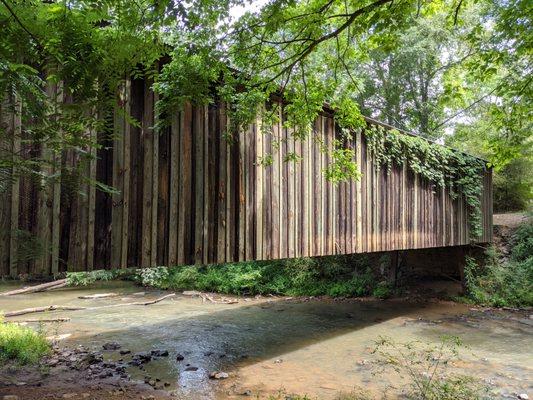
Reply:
x=267 y=344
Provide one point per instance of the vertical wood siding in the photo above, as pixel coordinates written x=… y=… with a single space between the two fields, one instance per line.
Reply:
x=188 y=194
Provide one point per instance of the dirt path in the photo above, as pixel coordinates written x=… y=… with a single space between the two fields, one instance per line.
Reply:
x=509 y=220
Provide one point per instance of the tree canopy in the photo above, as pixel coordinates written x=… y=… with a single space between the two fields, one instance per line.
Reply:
x=433 y=67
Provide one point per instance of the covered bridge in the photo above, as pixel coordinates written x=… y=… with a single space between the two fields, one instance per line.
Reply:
x=187 y=195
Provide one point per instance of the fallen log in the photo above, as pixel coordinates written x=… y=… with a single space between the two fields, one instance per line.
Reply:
x=42 y=309
x=44 y=320
x=138 y=303
x=147 y=303
x=75 y=308
x=37 y=288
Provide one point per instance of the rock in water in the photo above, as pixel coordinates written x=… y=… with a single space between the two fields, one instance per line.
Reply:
x=111 y=346
x=179 y=357
x=218 y=375
x=143 y=357
x=523 y=396
x=159 y=353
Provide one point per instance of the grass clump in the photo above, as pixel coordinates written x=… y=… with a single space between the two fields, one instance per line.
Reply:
x=425 y=369
x=21 y=344
x=507 y=283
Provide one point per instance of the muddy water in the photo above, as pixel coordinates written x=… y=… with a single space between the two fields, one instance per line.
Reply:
x=314 y=347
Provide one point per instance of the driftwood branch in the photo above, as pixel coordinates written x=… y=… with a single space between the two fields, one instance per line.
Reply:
x=208 y=297
x=205 y=296
x=44 y=320
x=138 y=303
x=37 y=288
x=99 y=296
x=42 y=309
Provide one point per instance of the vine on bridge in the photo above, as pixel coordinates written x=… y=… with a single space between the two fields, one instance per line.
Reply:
x=444 y=167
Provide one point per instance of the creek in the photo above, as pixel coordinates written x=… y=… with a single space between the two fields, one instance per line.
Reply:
x=316 y=347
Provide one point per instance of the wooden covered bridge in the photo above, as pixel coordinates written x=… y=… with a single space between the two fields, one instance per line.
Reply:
x=188 y=196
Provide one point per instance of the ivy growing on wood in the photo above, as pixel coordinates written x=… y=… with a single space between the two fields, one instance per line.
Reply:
x=459 y=172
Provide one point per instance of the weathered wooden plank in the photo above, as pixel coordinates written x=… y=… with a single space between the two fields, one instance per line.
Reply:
x=241 y=196
x=267 y=194
x=376 y=193
x=291 y=193
x=121 y=178
x=15 y=189
x=370 y=204
x=10 y=147
x=259 y=189
x=45 y=200
x=155 y=184
x=221 y=190
x=332 y=206
x=185 y=186
x=231 y=199
x=56 y=196
x=416 y=215
x=198 y=168
x=298 y=201
x=249 y=175
x=173 y=189
x=163 y=196
x=148 y=139
x=207 y=186
x=6 y=142
x=358 y=194
x=304 y=179
x=319 y=190
x=91 y=199
x=352 y=220
x=276 y=183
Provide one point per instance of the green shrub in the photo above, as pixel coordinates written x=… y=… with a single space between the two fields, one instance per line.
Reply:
x=383 y=290
x=21 y=344
x=87 y=278
x=522 y=242
x=504 y=284
x=334 y=276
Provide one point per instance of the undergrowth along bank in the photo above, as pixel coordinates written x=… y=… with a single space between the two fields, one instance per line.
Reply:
x=338 y=276
x=503 y=283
